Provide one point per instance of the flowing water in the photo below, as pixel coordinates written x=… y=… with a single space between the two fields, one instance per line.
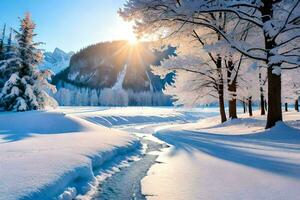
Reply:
x=126 y=184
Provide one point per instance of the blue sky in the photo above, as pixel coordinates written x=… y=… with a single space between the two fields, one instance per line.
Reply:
x=69 y=24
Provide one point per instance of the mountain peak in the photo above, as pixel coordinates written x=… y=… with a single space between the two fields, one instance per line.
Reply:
x=57 y=60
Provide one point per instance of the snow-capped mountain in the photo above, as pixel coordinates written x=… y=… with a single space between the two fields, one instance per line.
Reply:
x=57 y=60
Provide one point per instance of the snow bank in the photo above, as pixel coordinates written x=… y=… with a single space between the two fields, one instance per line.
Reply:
x=43 y=153
x=236 y=160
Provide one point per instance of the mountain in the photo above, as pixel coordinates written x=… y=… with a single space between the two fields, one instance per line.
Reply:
x=98 y=66
x=57 y=61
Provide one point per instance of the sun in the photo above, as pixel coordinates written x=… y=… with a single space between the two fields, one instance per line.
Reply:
x=132 y=40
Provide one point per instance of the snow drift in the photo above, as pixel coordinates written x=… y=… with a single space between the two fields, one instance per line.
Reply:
x=43 y=153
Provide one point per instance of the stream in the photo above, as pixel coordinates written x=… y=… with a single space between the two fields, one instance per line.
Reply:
x=126 y=184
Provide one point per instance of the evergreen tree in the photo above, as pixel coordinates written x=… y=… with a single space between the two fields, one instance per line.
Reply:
x=2 y=62
x=2 y=50
x=26 y=85
x=11 y=61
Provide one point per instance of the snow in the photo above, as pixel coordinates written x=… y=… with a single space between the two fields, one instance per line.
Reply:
x=43 y=153
x=57 y=61
x=65 y=153
x=119 y=83
x=125 y=116
x=236 y=160
x=46 y=154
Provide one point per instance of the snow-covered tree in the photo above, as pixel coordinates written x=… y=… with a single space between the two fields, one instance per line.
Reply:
x=262 y=78
x=249 y=87
x=10 y=62
x=94 y=98
x=2 y=56
x=196 y=79
x=26 y=86
x=2 y=44
x=291 y=88
x=277 y=23
x=192 y=45
x=113 y=97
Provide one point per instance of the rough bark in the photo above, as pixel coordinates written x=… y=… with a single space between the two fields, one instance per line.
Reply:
x=274 y=99
x=250 y=106
x=231 y=91
x=274 y=80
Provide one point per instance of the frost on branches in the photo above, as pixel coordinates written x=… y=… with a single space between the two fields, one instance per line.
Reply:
x=25 y=87
x=275 y=41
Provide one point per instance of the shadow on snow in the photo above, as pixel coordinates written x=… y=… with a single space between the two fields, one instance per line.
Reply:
x=18 y=126
x=262 y=150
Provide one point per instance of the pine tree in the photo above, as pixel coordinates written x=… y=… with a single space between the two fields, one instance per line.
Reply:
x=2 y=50
x=26 y=86
x=11 y=61
x=2 y=61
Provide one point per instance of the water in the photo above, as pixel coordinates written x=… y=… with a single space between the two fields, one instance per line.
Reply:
x=126 y=184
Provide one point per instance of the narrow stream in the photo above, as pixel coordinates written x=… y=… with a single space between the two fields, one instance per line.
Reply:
x=126 y=184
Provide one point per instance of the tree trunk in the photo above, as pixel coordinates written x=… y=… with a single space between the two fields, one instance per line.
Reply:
x=250 y=106
x=262 y=97
x=266 y=105
x=274 y=80
x=244 y=106
x=262 y=105
x=232 y=108
x=297 y=105
x=286 y=109
x=231 y=91
x=221 y=90
x=274 y=99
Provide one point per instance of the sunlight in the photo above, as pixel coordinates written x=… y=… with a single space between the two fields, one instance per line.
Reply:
x=124 y=31
x=132 y=40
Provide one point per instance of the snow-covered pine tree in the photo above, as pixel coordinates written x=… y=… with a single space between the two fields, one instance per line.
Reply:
x=10 y=62
x=26 y=86
x=2 y=50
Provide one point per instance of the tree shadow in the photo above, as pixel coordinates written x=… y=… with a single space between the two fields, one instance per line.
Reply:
x=18 y=126
x=265 y=150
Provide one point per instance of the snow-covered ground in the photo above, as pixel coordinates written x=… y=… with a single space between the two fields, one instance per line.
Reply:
x=237 y=160
x=45 y=154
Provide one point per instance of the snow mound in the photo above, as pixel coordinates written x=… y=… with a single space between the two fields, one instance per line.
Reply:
x=43 y=153
x=235 y=160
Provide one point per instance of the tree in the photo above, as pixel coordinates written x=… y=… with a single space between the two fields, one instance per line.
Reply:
x=291 y=85
x=204 y=69
x=249 y=85
x=262 y=77
x=277 y=23
x=26 y=86
x=2 y=47
x=194 y=78
x=2 y=56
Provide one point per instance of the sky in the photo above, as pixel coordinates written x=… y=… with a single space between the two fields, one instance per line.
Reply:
x=69 y=24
